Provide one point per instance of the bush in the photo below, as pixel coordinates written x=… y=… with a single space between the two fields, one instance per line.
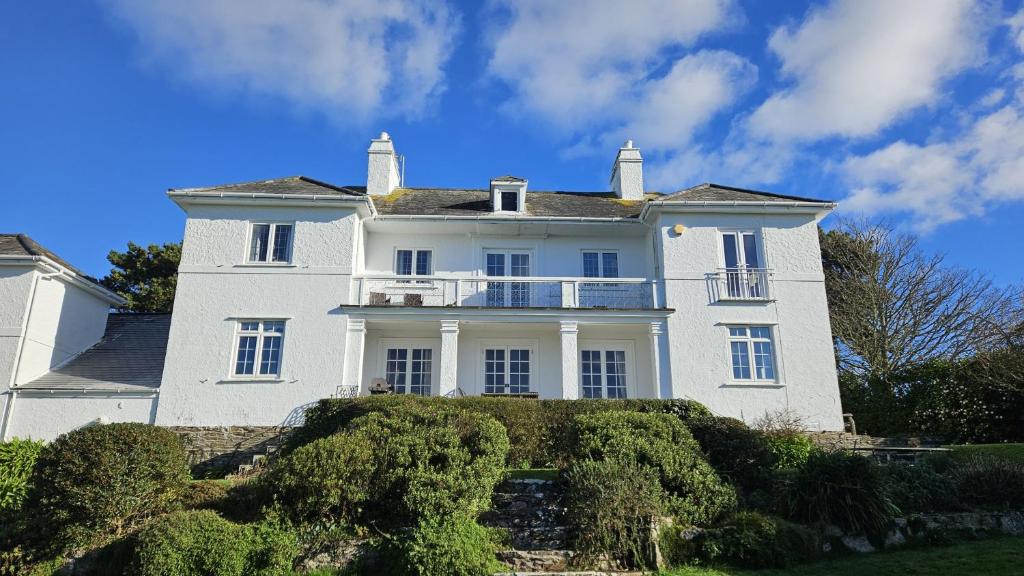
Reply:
x=738 y=453
x=204 y=495
x=455 y=546
x=752 y=540
x=989 y=481
x=610 y=508
x=198 y=543
x=919 y=489
x=837 y=488
x=694 y=492
x=789 y=450
x=395 y=467
x=103 y=481
x=17 y=457
x=538 y=430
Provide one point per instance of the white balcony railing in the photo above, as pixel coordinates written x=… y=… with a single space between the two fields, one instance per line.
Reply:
x=741 y=283
x=506 y=292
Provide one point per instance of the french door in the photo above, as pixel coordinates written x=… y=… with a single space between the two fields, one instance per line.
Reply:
x=603 y=373
x=507 y=263
x=743 y=276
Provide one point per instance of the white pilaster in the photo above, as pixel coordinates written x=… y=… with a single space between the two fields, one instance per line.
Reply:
x=655 y=334
x=570 y=360
x=448 y=384
x=355 y=340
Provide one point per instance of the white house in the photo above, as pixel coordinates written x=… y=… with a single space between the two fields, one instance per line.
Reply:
x=292 y=290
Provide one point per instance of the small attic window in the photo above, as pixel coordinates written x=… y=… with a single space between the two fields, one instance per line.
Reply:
x=510 y=201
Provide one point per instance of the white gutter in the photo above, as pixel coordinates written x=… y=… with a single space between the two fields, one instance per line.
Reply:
x=188 y=194
x=506 y=219
x=60 y=270
x=709 y=205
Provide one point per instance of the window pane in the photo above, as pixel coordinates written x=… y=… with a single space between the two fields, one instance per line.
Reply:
x=591 y=266
x=246 y=357
x=763 y=361
x=737 y=331
x=270 y=359
x=750 y=256
x=282 y=243
x=510 y=201
x=610 y=262
x=403 y=263
x=732 y=258
x=520 y=264
x=274 y=326
x=494 y=371
x=591 y=373
x=260 y=239
x=419 y=377
x=495 y=264
x=250 y=326
x=615 y=373
x=519 y=371
x=423 y=258
x=395 y=370
x=760 y=332
x=740 y=361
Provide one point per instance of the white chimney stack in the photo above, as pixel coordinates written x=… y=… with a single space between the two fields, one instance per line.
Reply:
x=628 y=173
x=382 y=173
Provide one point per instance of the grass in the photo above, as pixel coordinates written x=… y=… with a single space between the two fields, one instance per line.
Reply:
x=533 y=474
x=979 y=558
x=1010 y=451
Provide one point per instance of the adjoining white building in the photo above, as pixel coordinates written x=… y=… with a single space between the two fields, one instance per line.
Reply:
x=291 y=290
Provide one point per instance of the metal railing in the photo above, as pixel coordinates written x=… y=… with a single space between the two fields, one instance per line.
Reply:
x=741 y=283
x=506 y=292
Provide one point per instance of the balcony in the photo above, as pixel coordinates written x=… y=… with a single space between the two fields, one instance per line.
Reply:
x=507 y=292
x=740 y=284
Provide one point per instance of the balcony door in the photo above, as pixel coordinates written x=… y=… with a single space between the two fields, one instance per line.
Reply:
x=506 y=263
x=742 y=265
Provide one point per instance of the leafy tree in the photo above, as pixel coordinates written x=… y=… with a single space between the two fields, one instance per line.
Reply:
x=145 y=277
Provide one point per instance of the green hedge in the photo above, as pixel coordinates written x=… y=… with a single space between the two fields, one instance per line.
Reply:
x=17 y=457
x=538 y=430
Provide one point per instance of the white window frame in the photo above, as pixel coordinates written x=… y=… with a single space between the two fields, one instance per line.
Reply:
x=260 y=335
x=749 y=341
x=507 y=345
x=410 y=344
x=600 y=262
x=270 y=243
x=415 y=255
x=739 y=232
x=603 y=346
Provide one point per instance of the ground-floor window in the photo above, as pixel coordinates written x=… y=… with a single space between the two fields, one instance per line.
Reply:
x=752 y=353
x=408 y=370
x=507 y=370
x=258 y=346
x=603 y=373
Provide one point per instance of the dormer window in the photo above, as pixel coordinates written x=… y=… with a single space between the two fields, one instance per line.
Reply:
x=508 y=195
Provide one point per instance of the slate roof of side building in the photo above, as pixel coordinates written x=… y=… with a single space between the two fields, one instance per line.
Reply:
x=129 y=357
x=23 y=245
x=476 y=202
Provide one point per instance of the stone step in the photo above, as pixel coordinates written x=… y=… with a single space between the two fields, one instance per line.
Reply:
x=536 y=560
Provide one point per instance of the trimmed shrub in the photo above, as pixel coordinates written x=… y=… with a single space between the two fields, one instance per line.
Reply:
x=103 y=481
x=740 y=454
x=753 y=540
x=538 y=430
x=694 y=492
x=204 y=495
x=837 y=488
x=455 y=546
x=989 y=481
x=610 y=507
x=394 y=467
x=198 y=543
x=789 y=450
x=17 y=457
x=919 y=489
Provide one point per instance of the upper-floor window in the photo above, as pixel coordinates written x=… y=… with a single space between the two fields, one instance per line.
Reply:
x=270 y=243
x=258 y=348
x=413 y=262
x=740 y=250
x=509 y=201
x=599 y=264
x=753 y=356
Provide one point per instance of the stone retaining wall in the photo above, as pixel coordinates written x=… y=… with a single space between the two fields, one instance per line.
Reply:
x=214 y=449
x=847 y=441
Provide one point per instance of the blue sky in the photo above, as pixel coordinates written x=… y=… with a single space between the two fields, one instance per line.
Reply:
x=908 y=111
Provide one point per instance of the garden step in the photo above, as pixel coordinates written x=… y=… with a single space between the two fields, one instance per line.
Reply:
x=536 y=560
x=530 y=511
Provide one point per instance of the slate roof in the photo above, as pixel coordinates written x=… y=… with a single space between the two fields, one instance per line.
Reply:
x=22 y=245
x=468 y=202
x=129 y=357
x=719 y=193
x=288 y=186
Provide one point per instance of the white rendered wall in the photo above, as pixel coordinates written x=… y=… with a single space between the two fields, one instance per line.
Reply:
x=15 y=286
x=46 y=417
x=216 y=288
x=543 y=339
x=64 y=321
x=698 y=336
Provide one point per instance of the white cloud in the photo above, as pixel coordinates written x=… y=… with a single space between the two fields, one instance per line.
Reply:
x=575 y=61
x=858 y=65
x=945 y=181
x=1016 y=24
x=346 y=58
